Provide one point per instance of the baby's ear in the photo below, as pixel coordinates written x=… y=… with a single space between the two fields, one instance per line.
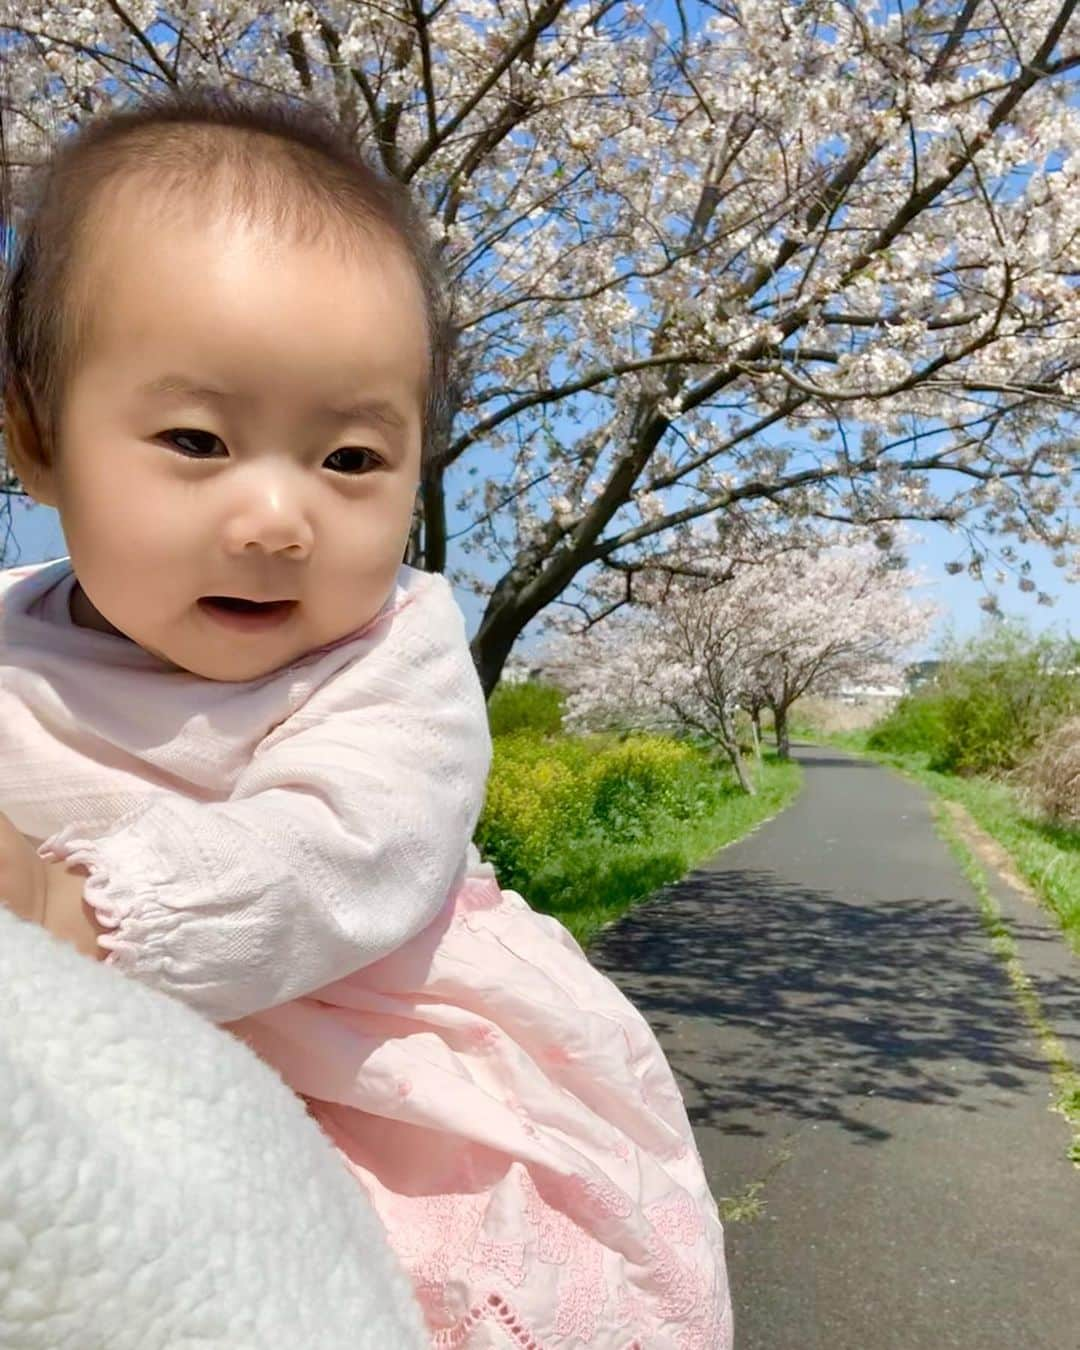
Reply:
x=26 y=455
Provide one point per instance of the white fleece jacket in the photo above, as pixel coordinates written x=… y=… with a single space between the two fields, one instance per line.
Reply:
x=161 y=1188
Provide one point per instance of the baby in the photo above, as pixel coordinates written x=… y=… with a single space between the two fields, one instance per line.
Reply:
x=243 y=749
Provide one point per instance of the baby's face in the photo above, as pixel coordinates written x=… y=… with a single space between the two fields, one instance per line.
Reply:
x=246 y=422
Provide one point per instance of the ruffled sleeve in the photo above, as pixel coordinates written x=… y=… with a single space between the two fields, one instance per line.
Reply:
x=341 y=840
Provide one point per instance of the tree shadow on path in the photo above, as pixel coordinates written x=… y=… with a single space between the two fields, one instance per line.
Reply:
x=776 y=1000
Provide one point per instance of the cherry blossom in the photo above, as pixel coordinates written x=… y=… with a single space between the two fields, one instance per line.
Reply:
x=813 y=261
x=713 y=633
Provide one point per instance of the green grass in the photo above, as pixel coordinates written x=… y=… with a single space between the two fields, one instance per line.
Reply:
x=842 y=740
x=1046 y=856
x=1065 y=1077
x=590 y=882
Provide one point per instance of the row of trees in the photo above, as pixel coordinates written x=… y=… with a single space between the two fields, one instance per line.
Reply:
x=817 y=258
x=727 y=630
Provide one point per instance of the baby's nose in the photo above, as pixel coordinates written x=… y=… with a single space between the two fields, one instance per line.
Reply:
x=269 y=517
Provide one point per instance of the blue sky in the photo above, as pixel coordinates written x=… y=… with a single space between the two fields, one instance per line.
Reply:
x=38 y=536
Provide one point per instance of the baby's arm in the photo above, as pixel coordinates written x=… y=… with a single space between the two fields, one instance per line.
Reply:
x=342 y=838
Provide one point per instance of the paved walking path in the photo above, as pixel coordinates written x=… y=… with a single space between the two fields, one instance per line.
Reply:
x=846 y=1037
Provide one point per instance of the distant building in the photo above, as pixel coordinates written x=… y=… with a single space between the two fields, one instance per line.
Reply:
x=921 y=673
x=880 y=694
x=517 y=672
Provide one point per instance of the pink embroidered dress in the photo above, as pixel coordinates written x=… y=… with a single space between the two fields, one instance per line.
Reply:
x=290 y=857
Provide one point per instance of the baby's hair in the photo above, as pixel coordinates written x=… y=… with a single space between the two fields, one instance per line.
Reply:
x=274 y=161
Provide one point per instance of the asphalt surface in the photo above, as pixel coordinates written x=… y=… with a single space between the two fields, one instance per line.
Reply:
x=861 y=1077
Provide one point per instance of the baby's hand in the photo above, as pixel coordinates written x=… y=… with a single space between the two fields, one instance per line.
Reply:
x=23 y=875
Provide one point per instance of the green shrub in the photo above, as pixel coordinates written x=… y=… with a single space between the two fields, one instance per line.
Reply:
x=536 y=792
x=915 y=726
x=1002 y=692
x=542 y=794
x=645 y=776
x=995 y=697
x=528 y=706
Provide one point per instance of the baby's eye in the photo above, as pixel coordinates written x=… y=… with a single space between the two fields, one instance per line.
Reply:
x=202 y=444
x=355 y=460
x=197 y=444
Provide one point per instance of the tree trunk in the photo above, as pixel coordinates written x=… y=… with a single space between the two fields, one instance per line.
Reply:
x=730 y=743
x=745 y=781
x=783 y=743
x=755 y=723
x=426 y=549
x=493 y=644
x=519 y=596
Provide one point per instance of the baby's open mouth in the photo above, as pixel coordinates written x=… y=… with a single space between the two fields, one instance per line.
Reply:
x=246 y=614
x=244 y=606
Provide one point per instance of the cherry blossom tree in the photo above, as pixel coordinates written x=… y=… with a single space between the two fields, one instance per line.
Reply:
x=719 y=633
x=813 y=257
x=673 y=643
x=683 y=666
x=847 y=616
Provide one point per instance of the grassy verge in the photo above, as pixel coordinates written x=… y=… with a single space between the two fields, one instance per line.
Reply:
x=1065 y=1077
x=1046 y=856
x=594 y=883
x=583 y=828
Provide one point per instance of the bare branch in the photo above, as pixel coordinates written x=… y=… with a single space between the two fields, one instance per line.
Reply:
x=545 y=14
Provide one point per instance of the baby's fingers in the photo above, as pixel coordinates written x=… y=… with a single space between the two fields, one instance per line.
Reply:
x=22 y=874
